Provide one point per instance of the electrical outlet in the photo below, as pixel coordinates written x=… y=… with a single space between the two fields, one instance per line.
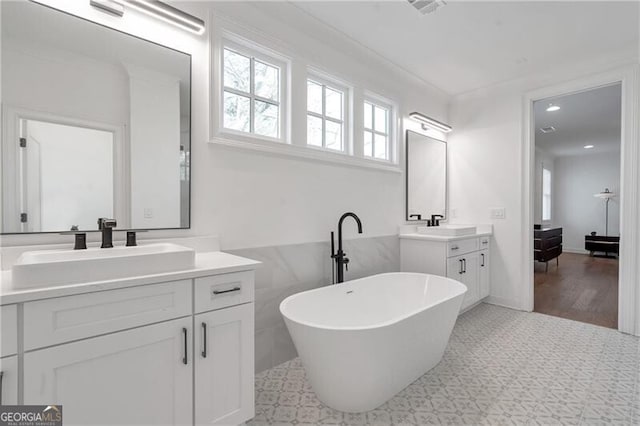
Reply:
x=498 y=213
x=148 y=213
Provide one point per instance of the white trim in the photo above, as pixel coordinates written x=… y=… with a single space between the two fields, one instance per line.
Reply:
x=306 y=152
x=345 y=122
x=629 y=294
x=392 y=126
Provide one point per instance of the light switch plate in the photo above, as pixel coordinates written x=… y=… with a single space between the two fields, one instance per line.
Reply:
x=498 y=213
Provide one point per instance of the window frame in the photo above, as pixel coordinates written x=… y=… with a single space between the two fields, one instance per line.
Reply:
x=546 y=196
x=254 y=52
x=335 y=85
x=391 y=144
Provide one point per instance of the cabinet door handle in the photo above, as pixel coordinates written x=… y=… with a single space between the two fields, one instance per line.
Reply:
x=460 y=270
x=216 y=292
x=184 y=334
x=1 y=374
x=482 y=255
x=204 y=339
x=464 y=266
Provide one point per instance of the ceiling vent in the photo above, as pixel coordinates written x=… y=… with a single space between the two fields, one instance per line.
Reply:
x=549 y=129
x=427 y=6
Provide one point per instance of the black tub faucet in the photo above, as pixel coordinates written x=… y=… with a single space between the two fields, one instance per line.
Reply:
x=340 y=257
x=106 y=227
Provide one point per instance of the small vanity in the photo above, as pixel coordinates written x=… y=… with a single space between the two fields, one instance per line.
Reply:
x=174 y=347
x=461 y=252
x=465 y=258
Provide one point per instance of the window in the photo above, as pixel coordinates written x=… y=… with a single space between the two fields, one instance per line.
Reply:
x=376 y=131
x=251 y=94
x=325 y=115
x=546 y=194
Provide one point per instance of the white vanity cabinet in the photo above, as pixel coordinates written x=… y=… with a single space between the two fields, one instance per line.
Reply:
x=167 y=353
x=224 y=367
x=139 y=376
x=465 y=259
x=9 y=380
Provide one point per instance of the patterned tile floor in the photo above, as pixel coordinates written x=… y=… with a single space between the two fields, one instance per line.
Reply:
x=501 y=367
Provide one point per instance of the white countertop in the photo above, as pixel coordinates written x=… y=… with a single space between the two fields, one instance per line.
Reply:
x=207 y=263
x=416 y=236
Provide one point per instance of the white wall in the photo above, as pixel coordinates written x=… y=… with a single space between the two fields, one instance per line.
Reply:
x=155 y=149
x=486 y=160
x=576 y=210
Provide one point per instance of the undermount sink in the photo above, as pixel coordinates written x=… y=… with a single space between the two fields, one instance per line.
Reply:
x=49 y=268
x=447 y=230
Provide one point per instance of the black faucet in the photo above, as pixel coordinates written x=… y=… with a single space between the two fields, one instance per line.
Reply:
x=340 y=257
x=435 y=220
x=106 y=226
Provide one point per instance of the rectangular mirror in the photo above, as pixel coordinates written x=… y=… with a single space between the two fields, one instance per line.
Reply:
x=96 y=123
x=426 y=174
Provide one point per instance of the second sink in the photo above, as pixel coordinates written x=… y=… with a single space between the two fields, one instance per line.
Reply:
x=447 y=230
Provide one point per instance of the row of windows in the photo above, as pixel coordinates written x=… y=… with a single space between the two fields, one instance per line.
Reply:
x=252 y=103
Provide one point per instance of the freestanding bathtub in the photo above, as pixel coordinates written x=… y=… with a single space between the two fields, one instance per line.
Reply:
x=363 y=341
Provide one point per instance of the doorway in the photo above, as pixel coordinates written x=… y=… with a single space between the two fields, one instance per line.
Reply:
x=576 y=204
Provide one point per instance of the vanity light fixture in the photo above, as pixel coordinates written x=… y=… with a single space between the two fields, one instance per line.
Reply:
x=167 y=13
x=109 y=6
x=553 y=108
x=588 y=146
x=430 y=123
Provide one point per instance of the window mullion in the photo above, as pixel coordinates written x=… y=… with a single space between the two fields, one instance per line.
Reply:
x=324 y=116
x=252 y=89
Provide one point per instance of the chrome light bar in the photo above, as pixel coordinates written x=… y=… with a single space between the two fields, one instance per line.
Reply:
x=429 y=122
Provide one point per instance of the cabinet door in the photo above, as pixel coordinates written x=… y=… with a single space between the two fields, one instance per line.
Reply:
x=9 y=380
x=465 y=268
x=224 y=366
x=140 y=376
x=485 y=275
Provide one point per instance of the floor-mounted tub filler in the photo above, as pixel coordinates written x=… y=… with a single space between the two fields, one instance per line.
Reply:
x=363 y=341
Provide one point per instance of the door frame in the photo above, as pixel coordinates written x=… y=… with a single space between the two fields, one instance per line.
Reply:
x=628 y=292
x=11 y=170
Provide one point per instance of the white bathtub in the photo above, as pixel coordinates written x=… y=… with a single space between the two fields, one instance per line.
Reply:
x=363 y=341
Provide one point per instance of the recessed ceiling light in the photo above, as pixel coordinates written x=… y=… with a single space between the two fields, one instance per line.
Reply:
x=588 y=146
x=552 y=108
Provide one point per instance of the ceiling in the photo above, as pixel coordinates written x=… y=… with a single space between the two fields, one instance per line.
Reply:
x=586 y=118
x=469 y=45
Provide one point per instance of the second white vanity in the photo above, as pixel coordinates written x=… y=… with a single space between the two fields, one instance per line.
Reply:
x=465 y=258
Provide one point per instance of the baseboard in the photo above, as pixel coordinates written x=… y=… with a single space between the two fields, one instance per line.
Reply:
x=505 y=303
x=574 y=250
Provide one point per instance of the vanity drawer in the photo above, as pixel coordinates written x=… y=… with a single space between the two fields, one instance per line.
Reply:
x=9 y=331
x=485 y=242
x=53 y=321
x=458 y=247
x=220 y=291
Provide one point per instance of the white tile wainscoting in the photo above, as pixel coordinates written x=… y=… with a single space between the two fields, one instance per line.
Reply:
x=501 y=367
x=290 y=269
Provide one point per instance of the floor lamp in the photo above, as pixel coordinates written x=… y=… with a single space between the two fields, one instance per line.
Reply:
x=607 y=196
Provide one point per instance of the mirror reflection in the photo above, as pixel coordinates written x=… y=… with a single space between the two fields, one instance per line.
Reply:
x=96 y=123
x=426 y=177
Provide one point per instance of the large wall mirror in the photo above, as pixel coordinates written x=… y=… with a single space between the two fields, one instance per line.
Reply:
x=95 y=123
x=426 y=177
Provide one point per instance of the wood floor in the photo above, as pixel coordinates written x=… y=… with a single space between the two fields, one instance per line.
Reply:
x=582 y=288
